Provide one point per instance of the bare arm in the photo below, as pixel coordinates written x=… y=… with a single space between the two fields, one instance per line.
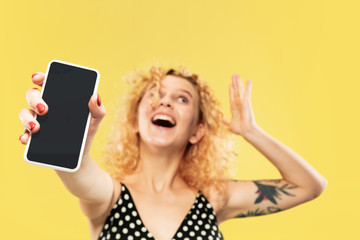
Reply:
x=300 y=181
x=92 y=185
x=292 y=167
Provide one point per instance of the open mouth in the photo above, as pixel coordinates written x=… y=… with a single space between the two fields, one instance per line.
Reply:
x=163 y=121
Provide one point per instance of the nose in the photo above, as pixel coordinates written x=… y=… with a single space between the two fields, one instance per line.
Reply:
x=165 y=101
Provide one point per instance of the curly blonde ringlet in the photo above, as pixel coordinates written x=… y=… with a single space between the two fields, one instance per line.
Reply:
x=205 y=165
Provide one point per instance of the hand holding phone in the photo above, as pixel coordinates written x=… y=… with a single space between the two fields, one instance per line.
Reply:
x=59 y=128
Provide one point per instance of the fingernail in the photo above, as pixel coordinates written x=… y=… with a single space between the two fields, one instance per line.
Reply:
x=40 y=107
x=98 y=100
x=32 y=125
x=34 y=75
x=20 y=137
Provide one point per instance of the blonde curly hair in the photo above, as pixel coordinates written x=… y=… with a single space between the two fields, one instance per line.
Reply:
x=205 y=165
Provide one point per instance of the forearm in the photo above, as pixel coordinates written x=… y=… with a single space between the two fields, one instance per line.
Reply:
x=292 y=167
x=87 y=183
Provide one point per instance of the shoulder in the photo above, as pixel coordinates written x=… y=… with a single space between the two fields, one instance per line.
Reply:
x=217 y=199
x=96 y=212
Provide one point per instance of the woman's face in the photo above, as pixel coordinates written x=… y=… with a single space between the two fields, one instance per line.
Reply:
x=173 y=121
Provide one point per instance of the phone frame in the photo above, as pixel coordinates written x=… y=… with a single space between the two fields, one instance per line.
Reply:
x=86 y=127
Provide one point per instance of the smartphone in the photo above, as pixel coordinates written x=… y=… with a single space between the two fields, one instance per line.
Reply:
x=59 y=144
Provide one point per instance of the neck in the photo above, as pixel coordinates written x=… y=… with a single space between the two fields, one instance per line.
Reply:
x=158 y=168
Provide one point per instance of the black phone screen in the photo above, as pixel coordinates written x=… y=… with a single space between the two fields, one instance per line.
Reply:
x=67 y=91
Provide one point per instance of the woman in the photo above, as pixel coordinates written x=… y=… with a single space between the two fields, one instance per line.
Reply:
x=168 y=162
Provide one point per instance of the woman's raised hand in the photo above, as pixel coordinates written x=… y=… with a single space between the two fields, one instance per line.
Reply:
x=38 y=106
x=242 y=120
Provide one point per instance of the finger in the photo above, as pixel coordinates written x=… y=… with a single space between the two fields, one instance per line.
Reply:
x=232 y=97
x=38 y=78
x=248 y=90
x=239 y=82
x=98 y=112
x=36 y=102
x=237 y=87
x=96 y=107
x=24 y=138
x=241 y=87
x=28 y=120
x=226 y=121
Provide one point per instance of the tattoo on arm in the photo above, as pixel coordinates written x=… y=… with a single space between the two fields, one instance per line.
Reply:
x=272 y=180
x=266 y=180
x=270 y=192
x=259 y=212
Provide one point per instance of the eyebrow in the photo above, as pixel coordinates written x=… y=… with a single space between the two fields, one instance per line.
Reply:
x=179 y=89
x=186 y=91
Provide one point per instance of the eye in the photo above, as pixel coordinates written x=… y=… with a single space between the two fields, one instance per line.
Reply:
x=183 y=99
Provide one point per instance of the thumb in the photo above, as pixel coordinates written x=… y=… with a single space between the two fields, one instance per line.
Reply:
x=98 y=111
x=226 y=121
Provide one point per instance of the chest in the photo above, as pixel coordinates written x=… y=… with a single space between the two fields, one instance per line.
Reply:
x=182 y=215
x=162 y=216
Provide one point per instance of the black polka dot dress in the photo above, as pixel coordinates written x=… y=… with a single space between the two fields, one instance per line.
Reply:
x=124 y=221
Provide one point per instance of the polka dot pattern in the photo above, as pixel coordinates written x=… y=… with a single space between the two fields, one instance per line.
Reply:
x=124 y=221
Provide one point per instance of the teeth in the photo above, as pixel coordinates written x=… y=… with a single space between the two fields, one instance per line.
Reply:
x=164 y=117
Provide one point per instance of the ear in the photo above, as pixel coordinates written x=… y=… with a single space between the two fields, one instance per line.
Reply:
x=198 y=134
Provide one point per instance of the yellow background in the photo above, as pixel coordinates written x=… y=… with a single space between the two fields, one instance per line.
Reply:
x=303 y=59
